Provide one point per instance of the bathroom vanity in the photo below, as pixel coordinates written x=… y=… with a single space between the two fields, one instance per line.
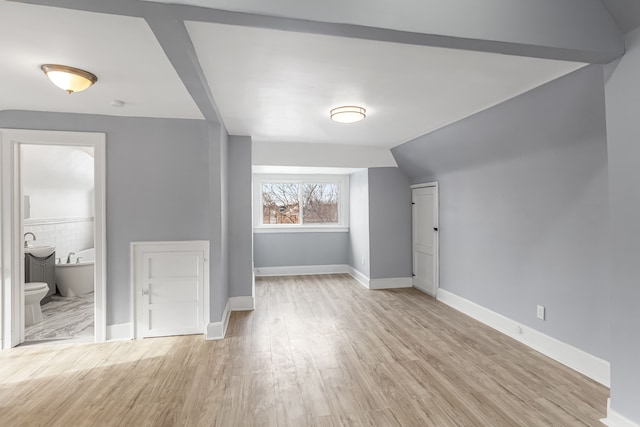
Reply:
x=41 y=269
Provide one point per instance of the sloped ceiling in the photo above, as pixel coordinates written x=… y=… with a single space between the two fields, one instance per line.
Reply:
x=625 y=12
x=279 y=86
x=273 y=69
x=583 y=25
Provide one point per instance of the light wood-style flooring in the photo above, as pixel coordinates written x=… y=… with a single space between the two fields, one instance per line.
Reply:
x=317 y=351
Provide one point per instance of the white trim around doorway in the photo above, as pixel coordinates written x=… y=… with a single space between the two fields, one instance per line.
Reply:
x=11 y=225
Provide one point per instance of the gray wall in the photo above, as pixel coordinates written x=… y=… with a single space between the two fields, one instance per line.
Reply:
x=240 y=225
x=358 y=245
x=379 y=231
x=218 y=220
x=623 y=133
x=157 y=174
x=389 y=223
x=625 y=12
x=295 y=249
x=523 y=207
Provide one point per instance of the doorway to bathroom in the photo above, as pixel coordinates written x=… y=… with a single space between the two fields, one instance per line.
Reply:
x=53 y=237
x=58 y=213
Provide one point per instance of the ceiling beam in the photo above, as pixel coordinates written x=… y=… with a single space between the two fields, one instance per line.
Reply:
x=112 y=7
x=572 y=30
x=508 y=27
x=176 y=43
x=170 y=32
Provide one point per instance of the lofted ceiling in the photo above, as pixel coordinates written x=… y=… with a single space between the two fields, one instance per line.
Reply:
x=278 y=86
x=122 y=51
x=507 y=20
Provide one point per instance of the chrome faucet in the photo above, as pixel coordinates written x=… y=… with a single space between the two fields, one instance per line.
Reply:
x=69 y=257
x=26 y=243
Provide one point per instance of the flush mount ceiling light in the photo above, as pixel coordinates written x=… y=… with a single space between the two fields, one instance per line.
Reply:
x=348 y=114
x=69 y=78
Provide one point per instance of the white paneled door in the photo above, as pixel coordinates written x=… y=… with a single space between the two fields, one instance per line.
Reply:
x=425 y=239
x=171 y=292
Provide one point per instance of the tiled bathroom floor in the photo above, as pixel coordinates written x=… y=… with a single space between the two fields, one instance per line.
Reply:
x=64 y=319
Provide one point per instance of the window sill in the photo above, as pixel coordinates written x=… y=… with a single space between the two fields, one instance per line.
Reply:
x=260 y=230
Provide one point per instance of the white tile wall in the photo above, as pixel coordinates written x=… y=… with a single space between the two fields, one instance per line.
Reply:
x=68 y=235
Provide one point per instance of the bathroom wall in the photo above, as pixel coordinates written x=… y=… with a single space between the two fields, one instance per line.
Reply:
x=59 y=191
x=58 y=181
x=66 y=235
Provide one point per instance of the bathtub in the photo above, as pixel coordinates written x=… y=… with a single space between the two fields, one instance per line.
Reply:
x=76 y=278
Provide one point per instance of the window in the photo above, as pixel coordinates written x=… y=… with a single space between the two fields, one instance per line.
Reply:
x=301 y=202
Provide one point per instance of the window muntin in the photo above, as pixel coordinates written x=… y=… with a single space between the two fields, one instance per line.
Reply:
x=301 y=202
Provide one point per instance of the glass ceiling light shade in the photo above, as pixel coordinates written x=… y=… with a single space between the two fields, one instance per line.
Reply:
x=69 y=78
x=348 y=114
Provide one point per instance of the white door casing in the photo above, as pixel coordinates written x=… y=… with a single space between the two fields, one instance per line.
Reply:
x=425 y=238
x=171 y=288
x=11 y=224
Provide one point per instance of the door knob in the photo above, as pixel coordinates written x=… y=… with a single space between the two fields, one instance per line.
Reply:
x=435 y=228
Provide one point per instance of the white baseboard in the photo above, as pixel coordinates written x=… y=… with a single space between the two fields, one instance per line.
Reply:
x=218 y=330
x=391 y=283
x=242 y=303
x=301 y=270
x=616 y=420
x=361 y=278
x=581 y=361
x=119 y=332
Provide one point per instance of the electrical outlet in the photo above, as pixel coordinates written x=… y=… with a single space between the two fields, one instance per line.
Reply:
x=540 y=312
x=363 y=260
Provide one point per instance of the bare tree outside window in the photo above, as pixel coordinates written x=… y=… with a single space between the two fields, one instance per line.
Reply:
x=320 y=203
x=280 y=203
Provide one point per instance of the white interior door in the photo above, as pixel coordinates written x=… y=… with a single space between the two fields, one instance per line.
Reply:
x=425 y=239
x=171 y=293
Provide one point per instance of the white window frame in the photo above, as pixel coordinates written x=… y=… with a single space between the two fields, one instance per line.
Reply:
x=343 y=204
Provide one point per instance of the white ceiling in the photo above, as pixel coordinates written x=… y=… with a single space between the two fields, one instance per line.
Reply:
x=122 y=51
x=274 y=85
x=279 y=86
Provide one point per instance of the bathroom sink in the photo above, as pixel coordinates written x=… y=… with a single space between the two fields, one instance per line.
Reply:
x=40 y=251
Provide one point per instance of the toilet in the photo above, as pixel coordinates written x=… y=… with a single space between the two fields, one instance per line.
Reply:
x=33 y=294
